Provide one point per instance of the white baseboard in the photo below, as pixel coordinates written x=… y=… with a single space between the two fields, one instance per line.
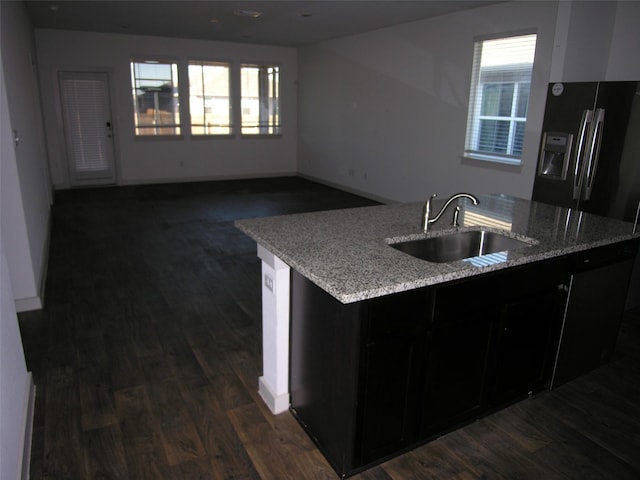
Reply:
x=344 y=188
x=27 y=304
x=169 y=180
x=30 y=396
x=276 y=403
x=37 y=302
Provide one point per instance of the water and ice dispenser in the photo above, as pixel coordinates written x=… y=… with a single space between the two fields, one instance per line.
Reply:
x=555 y=154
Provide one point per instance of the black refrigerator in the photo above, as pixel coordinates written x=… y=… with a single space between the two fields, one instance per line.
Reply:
x=589 y=161
x=589 y=155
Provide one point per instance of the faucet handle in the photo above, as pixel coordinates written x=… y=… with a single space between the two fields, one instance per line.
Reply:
x=456 y=215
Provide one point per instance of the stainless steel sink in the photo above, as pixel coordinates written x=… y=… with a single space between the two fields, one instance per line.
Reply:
x=459 y=245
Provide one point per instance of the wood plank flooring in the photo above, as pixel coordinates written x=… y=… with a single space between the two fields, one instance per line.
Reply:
x=147 y=354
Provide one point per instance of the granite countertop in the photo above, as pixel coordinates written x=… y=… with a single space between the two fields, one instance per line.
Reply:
x=347 y=253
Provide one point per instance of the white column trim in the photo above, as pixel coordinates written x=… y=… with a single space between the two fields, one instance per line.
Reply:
x=273 y=385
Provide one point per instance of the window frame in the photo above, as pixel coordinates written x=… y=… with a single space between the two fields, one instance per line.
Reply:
x=176 y=95
x=230 y=96
x=270 y=129
x=483 y=77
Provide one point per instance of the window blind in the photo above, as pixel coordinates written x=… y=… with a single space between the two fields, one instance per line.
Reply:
x=155 y=97
x=499 y=97
x=84 y=110
x=209 y=98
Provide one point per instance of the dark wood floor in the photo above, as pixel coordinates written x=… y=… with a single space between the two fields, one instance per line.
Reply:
x=147 y=355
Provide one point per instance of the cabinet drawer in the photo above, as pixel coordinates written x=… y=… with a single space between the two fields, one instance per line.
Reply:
x=532 y=279
x=604 y=255
x=466 y=299
x=485 y=292
x=396 y=316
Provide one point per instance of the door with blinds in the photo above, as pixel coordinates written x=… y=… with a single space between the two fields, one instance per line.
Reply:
x=88 y=128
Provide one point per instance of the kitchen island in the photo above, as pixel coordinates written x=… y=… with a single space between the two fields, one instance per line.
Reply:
x=371 y=322
x=346 y=252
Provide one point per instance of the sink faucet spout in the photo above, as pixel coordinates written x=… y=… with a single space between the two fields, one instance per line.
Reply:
x=426 y=211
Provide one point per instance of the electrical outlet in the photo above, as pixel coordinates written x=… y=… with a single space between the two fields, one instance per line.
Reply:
x=268 y=282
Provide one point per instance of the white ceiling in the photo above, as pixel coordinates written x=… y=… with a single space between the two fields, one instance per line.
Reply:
x=285 y=23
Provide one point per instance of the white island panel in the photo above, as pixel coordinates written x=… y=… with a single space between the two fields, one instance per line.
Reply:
x=273 y=385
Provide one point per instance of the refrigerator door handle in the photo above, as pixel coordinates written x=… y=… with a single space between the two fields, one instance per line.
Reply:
x=594 y=151
x=578 y=174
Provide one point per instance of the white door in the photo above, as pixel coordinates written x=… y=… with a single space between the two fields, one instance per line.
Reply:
x=88 y=127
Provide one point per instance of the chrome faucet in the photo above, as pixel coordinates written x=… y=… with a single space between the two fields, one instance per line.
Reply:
x=426 y=211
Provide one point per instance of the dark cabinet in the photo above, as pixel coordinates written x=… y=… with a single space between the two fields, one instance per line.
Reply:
x=597 y=297
x=391 y=371
x=460 y=336
x=374 y=378
x=492 y=340
x=356 y=372
x=523 y=347
x=527 y=332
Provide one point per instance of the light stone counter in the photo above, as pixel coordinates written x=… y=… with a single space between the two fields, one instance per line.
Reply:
x=346 y=252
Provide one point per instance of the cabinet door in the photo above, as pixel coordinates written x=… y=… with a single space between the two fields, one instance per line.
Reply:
x=325 y=342
x=392 y=369
x=526 y=341
x=458 y=353
x=594 y=314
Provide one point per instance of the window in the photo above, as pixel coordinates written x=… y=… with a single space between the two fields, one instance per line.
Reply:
x=499 y=98
x=209 y=102
x=260 y=101
x=155 y=97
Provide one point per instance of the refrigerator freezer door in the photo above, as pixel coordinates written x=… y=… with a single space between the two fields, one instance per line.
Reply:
x=564 y=112
x=554 y=155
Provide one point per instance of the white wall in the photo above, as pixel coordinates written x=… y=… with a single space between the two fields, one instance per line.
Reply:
x=156 y=160
x=382 y=113
x=624 y=57
x=26 y=188
x=15 y=381
x=385 y=112
x=15 y=384
x=597 y=40
x=588 y=40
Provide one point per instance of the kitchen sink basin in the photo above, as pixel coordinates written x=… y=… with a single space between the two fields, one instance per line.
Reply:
x=459 y=245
